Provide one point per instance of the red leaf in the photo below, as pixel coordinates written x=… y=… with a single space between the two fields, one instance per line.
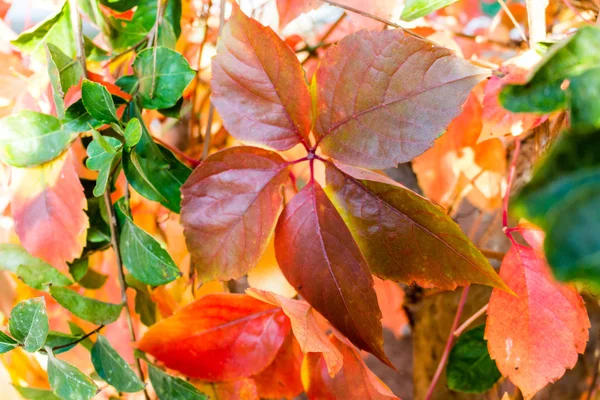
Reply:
x=318 y=256
x=354 y=381
x=219 y=337
x=258 y=85
x=48 y=206
x=403 y=236
x=282 y=377
x=535 y=335
x=381 y=98
x=230 y=206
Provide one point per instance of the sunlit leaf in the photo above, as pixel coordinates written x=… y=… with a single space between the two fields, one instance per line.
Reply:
x=133 y=132
x=111 y=367
x=28 y=323
x=64 y=73
x=414 y=9
x=98 y=102
x=30 y=393
x=68 y=382
x=92 y=310
x=40 y=275
x=103 y=159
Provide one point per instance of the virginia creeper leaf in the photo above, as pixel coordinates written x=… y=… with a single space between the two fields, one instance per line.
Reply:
x=30 y=393
x=320 y=259
x=113 y=369
x=48 y=206
x=218 y=337
x=133 y=132
x=92 y=310
x=103 y=159
x=354 y=381
x=143 y=256
x=403 y=236
x=67 y=382
x=381 y=98
x=470 y=368
x=169 y=387
x=7 y=343
x=98 y=102
x=230 y=206
x=258 y=86
x=414 y=9
x=28 y=323
x=163 y=74
x=535 y=345
x=30 y=138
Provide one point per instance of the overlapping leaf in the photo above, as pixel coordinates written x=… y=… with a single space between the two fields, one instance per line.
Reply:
x=318 y=256
x=230 y=206
x=259 y=86
x=219 y=337
x=86 y=308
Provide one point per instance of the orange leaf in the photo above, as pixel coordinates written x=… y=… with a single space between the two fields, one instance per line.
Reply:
x=219 y=337
x=354 y=381
x=535 y=335
x=244 y=388
x=391 y=299
x=48 y=206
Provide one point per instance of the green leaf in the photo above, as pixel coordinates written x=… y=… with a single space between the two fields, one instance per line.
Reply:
x=145 y=307
x=56 y=29
x=78 y=120
x=168 y=387
x=133 y=133
x=155 y=173
x=7 y=343
x=127 y=83
x=41 y=274
x=113 y=369
x=13 y=255
x=67 y=382
x=30 y=393
x=173 y=112
x=98 y=102
x=119 y=5
x=93 y=52
x=77 y=331
x=85 y=276
x=163 y=75
x=143 y=256
x=68 y=70
x=29 y=138
x=166 y=35
x=103 y=155
x=97 y=312
x=28 y=323
x=470 y=368
x=56 y=339
x=414 y=9
x=575 y=60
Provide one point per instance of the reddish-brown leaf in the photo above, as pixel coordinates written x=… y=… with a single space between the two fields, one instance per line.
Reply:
x=48 y=206
x=281 y=379
x=230 y=206
x=306 y=329
x=537 y=334
x=219 y=337
x=318 y=256
x=403 y=236
x=258 y=85
x=381 y=98
x=354 y=381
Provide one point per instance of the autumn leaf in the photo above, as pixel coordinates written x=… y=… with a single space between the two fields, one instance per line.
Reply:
x=354 y=381
x=391 y=301
x=381 y=98
x=320 y=259
x=244 y=388
x=537 y=334
x=48 y=206
x=267 y=275
x=219 y=337
x=290 y=9
x=230 y=206
x=403 y=236
x=259 y=87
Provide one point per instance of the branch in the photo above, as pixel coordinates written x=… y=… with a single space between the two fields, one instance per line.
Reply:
x=81 y=339
x=469 y=321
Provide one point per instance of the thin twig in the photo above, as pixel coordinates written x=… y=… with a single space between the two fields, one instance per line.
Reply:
x=440 y=367
x=470 y=320
x=513 y=19
x=81 y=339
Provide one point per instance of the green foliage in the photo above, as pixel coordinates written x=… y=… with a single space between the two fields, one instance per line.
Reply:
x=98 y=102
x=64 y=73
x=133 y=133
x=470 y=368
x=39 y=275
x=113 y=369
x=28 y=323
x=145 y=306
x=143 y=256
x=168 y=387
x=97 y=312
x=67 y=382
x=119 y=5
x=61 y=340
x=36 y=394
x=103 y=156
x=414 y=9
x=77 y=331
x=7 y=343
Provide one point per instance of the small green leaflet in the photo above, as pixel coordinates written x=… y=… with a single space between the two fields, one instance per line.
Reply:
x=98 y=102
x=470 y=368
x=58 y=339
x=163 y=75
x=168 y=387
x=97 y=312
x=6 y=343
x=64 y=73
x=113 y=368
x=35 y=394
x=28 y=323
x=103 y=154
x=133 y=133
x=85 y=276
x=414 y=9
x=29 y=138
x=67 y=382
x=143 y=256
x=40 y=275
